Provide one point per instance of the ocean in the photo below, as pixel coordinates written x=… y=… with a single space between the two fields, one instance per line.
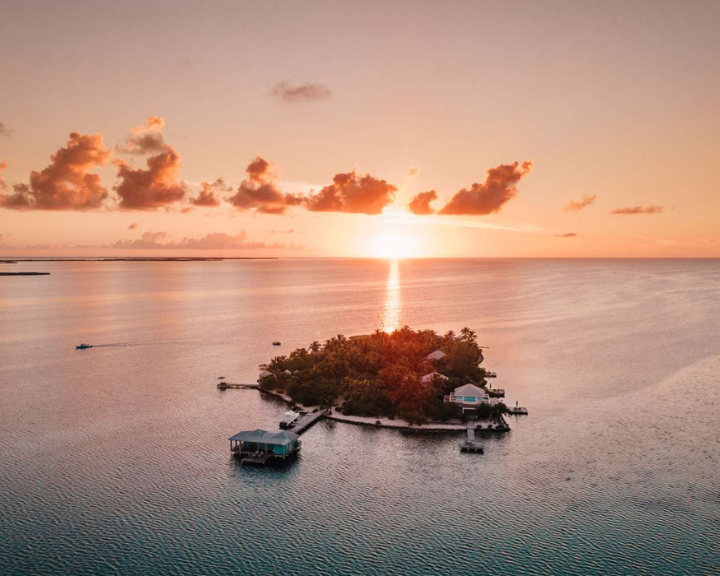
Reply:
x=115 y=460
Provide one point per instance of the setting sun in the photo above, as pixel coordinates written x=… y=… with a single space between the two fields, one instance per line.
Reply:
x=393 y=244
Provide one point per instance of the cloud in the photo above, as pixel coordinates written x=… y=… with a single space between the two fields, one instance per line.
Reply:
x=259 y=191
x=412 y=171
x=133 y=226
x=66 y=183
x=568 y=235
x=354 y=194
x=577 y=205
x=301 y=92
x=490 y=196
x=158 y=185
x=3 y=166
x=5 y=132
x=208 y=196
x=211 y=241
x=420 y=203
x=651 y=209
x=147 y=139
x=291 y=231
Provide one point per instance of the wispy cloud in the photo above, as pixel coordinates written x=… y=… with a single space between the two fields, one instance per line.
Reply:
x=301 y=92
x=651 y=209
x=577 y=205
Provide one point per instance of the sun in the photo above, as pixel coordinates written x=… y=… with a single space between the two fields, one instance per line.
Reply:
x=393 y=244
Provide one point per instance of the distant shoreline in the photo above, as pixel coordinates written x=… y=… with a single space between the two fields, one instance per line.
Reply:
x=135 y=259
x=24 y=273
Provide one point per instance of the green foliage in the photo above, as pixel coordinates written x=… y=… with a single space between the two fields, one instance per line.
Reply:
x=380 y=374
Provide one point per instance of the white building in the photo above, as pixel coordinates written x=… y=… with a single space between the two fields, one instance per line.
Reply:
x=435 y=355
x=469 y=396
x=430 y=377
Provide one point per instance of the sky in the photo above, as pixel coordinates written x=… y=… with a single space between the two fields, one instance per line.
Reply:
x=360 y=129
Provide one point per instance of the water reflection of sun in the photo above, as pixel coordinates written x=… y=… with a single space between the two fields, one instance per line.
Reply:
x=393 y=301
x=393 y=244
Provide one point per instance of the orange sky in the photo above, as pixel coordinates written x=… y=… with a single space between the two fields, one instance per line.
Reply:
x=324 y=120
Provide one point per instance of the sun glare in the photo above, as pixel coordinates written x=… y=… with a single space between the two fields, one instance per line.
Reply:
x=393 y=244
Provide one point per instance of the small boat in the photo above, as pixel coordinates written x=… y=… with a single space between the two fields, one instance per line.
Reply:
x=289 y=419
x=83 y=346
x=276 y=343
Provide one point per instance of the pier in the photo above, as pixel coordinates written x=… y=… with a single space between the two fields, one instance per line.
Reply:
x=471 y=445
x=518 y=411
x=307 y=420
x=235 y=386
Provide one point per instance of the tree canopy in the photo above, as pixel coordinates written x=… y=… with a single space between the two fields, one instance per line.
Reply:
x=381 y=374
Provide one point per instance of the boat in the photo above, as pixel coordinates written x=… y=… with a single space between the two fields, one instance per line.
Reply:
x=276 y=343
x=289 y=420
x=83 y=346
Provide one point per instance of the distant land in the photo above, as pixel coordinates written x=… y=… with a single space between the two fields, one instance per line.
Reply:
x=24 y=273
x=133 y=259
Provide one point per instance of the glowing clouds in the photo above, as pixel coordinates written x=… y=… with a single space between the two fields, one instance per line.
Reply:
x=156 y=186
x=302 y=92
x=208 y=196
x=490 y=196
x=259 y=191
x=420 y=203
x=66 y=184
x=353 y=194
x=652 y=209
x=577 y=205
x=211 y=241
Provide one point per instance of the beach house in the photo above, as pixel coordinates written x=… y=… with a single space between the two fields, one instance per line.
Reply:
x=468 y=396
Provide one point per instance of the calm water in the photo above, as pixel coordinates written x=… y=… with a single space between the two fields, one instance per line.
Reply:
x=115 y=459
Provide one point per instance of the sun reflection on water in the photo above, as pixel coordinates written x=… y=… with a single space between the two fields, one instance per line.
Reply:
x=393 y=299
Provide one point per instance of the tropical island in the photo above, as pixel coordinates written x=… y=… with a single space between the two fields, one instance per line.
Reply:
x=409 y=375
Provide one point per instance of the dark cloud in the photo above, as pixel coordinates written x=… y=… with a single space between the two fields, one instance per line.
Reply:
x=354 y=194
x=490 y=196
x=147 y=139
x=66 y=183
x=420 y=203
x=259 y=191
x=651 y=209
x=577 y=205
x=211 y=241
x=208 y=196
x=301 y=92
x=5 y=132
x=568 y=235
x=133 y=226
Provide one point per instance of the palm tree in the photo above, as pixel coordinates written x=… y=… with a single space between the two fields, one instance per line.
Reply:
x=468 y=335
x=315 y=347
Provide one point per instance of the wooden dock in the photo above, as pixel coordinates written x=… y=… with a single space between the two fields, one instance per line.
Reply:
x=307 y=420
x=518 y=411
x=471 y=445
x=233 y=385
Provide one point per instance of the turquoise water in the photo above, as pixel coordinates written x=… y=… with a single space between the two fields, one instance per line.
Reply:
x=115 y=460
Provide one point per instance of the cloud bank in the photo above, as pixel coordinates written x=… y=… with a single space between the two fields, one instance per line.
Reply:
x=211 y=241
x=208 y=197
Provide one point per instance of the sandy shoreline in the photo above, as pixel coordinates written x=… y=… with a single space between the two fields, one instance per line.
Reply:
x=396 y=424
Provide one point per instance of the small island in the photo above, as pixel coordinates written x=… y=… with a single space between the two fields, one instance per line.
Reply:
x=401 y=379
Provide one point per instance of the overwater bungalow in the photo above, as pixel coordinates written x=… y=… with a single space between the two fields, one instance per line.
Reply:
x=259 y=446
